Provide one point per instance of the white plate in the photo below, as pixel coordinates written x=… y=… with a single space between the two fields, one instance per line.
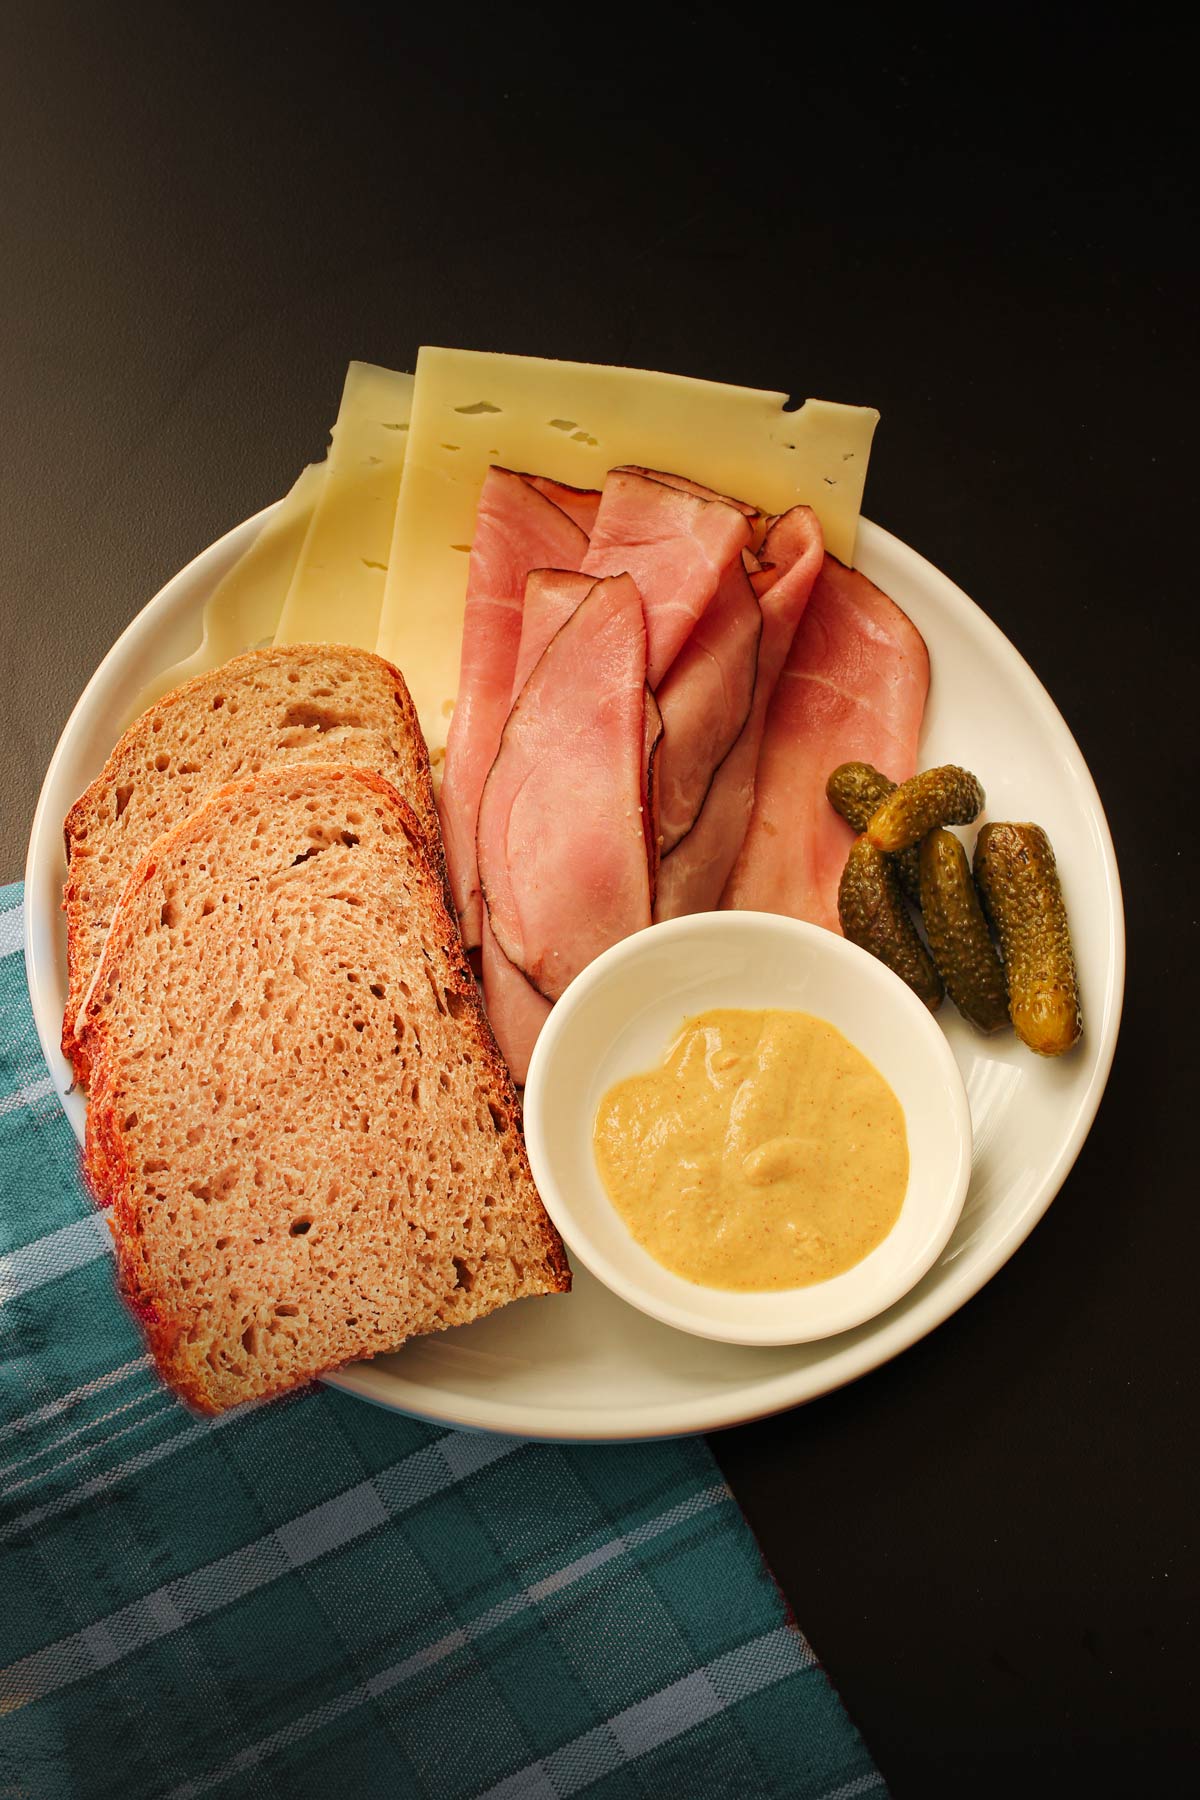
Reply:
x=588 y=1366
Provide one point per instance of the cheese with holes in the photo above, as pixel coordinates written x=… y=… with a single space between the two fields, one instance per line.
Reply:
x=243 y=610
x=574 y=422
x=337 y=587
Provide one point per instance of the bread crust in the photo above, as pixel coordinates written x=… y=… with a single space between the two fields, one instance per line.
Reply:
x=89 y=810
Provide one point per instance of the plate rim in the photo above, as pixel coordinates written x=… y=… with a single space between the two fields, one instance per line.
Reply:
x=877 y=1341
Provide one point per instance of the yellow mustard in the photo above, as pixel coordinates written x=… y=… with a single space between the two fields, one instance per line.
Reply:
x=766 y=1152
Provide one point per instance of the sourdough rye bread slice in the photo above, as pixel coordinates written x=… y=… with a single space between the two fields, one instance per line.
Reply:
x=310 y=1143
x=304 y=703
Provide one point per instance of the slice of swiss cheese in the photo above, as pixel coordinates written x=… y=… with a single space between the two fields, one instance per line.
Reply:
x=244 y=608
x=336 y=590
x=574 y=422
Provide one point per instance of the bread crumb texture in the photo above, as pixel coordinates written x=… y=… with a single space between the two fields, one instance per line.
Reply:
x=310 y=1142
x=306 y=703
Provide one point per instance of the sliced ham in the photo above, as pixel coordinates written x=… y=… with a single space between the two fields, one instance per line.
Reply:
x=687 y=486
x=561 y=841
x=691 y=878
x=852 y=690
x=579 y=504
x=515 y=1009
x=551 y=596
x=675 y=542
x=705 y=700
x=652 y=742
x=516 y=529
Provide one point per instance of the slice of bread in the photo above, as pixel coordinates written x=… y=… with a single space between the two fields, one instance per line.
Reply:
x=310 y=1143
x=304 y=703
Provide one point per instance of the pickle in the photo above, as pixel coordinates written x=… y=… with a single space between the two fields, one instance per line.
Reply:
x=958 y=934
x=873 y=915
x=855 y=790
x=945 y=796
x=1017 y=879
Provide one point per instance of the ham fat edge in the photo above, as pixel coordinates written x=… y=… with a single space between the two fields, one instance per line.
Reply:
x=561 y=841
x=852 y=690
x=517 y=529
x=652 y=743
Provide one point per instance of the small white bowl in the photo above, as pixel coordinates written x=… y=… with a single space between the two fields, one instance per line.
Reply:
x=617 y=1019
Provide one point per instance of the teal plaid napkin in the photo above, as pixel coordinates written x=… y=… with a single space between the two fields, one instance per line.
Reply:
x=315 y=1596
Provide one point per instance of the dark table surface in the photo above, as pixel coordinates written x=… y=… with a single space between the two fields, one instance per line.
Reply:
x=207 y=211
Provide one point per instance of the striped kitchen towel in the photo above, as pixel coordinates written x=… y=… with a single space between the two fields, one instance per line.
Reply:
x=315 y=1596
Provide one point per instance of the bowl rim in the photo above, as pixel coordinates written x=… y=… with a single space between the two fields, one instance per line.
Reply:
x=696 y=1316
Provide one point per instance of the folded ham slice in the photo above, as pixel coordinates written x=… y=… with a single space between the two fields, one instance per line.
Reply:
x=579 y=504
x=516 y=529
x=652 y=743
x=852 y=690
x=515 y=1009
x=551 y=596
x=705 y=700
x=687 y=486
x=676 y=540
x=561 y=841
x=691 y=878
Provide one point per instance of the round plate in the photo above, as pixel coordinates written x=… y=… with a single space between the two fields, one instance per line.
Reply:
x=587 y=1366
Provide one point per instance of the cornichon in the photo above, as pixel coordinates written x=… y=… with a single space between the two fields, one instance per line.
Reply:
x=873 y=915
x=945 y=796
x=1018 y=883
x=958 y=934
x=856 y=789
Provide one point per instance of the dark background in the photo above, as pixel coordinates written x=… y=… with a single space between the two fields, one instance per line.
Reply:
x=990 y=236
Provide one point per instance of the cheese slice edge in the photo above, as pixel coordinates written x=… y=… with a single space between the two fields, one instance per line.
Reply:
x=244 y=608
x=336 y=590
